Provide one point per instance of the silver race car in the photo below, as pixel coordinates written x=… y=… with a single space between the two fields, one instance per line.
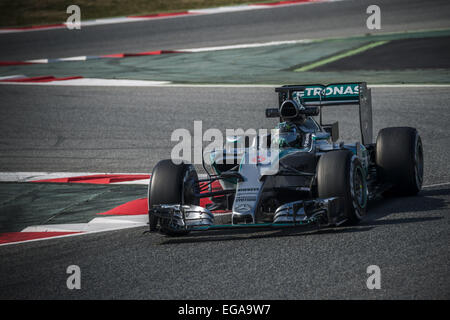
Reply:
x=298 y=174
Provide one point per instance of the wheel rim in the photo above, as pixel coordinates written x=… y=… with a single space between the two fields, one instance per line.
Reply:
x=189 y=188
x=418 y=165
x=359 y=187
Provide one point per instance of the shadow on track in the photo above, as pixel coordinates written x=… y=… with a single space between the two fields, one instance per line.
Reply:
x=263 y=233
x=426 y=200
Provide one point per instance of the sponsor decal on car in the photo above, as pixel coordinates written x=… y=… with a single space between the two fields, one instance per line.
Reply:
x=333 y=92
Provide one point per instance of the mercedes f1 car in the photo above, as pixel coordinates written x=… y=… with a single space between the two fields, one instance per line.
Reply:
x=311 y=178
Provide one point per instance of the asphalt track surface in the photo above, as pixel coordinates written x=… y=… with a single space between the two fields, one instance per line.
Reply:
x=123 y=129
x=128 y=130
x=62 y=128
x=316 y=20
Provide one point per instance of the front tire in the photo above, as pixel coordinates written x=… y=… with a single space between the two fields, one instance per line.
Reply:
x=340 y=174
x=171 y=184
x=399 y=159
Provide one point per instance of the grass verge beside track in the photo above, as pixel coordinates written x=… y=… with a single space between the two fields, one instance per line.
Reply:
x=268 y=64
x=26 y=204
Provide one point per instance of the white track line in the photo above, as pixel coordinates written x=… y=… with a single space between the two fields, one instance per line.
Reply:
x=96 y=225
x=246 y=46
x=426 y=85
x=38 y=61
x=143 y=181
x=227 y=9
x=16 y=76
x=436 y=185
x=190 y=13
x=96 y=83
x=34 y=176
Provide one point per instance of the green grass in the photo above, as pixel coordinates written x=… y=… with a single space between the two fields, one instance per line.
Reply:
x=15 y=13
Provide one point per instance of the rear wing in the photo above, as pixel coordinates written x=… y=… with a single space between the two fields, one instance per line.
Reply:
x=332 y=95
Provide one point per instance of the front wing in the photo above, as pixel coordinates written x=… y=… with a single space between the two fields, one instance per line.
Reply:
x=320 y=212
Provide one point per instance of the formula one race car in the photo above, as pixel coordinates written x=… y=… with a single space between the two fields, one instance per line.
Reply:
x=296 y=175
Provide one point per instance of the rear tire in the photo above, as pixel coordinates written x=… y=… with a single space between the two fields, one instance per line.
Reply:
x=340 y=174
x=399 y=160
x=166 y=187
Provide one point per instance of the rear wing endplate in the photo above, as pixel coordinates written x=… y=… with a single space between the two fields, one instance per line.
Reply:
x=332 y=95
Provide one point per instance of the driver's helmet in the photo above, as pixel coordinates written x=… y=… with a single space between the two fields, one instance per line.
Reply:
x=286 y=135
